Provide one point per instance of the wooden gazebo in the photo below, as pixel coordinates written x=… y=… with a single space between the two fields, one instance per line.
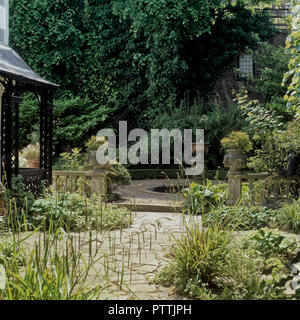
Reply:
x=17 y=78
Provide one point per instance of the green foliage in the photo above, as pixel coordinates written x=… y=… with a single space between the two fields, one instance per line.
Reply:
x=76 y=118
x=272 y=157
x=142 y=174
x=93 y=143
x=76 y=213
x=175 y=32
x=201 y=198
x=276 y=149
x=274 y=132
x=235 y=29
x=289 y=217
x=293 y=50
x=237 y=140
x=261 y=119
x=271 y=243
x=207 y=264
x=291 y=137
x=12 y=255
x=18 y=196
x=76 y=45
x=199 y=253
x=32 y=152
x=130 y=58
x=50 y=271
x=72 y=160
x=240 y=217
x=271 y=63
x=217 y=119
x=29 y=120
x=117 y=174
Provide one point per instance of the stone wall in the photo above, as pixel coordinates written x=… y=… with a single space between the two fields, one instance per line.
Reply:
x=228 y=83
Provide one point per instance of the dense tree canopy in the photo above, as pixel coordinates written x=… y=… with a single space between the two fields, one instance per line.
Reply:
x=131 y=59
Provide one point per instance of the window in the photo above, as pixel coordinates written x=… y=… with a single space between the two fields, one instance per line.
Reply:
x=245 y=66
x=4 y=21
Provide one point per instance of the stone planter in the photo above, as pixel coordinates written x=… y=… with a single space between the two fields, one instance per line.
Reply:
x=33 y=163
x=235 y=160
x=92 y=162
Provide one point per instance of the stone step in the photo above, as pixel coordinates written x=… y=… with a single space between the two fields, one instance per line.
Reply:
x=149 y=207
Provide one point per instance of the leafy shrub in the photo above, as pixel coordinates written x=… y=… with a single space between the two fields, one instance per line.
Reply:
x=238 y=140
x=76 y=213
x=291 y=137
x=72 y=160
x=207 y=264
x=271 y=243
x=75 y=118
x=18 y=195
x=241 y=217
x=93 y=143
x=276 y=136
x=260 y=118
x=198 y=254
x=288 y=216
x=216 y=117
x=292 y=76
x=29 y=120
x=32 y=151
x=116 y=175
x=50 y=271
x=271 y=63
x=272 y=157
x=142 y=174
x=277 y=148
x=200 y=198
x=12 y=255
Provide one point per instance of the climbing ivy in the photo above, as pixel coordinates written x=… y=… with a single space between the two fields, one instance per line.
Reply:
x=293 y=50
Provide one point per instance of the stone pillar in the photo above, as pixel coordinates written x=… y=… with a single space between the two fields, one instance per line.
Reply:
x=98 y=182
x=235 y=160
x=234 y=187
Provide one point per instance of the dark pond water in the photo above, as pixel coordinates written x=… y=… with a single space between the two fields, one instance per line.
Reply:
x=167 y=189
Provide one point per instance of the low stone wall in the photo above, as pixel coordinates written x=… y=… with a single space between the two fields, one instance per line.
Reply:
x=87 y=182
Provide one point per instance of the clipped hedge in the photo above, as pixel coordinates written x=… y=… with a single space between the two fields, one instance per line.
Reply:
x=144 y=174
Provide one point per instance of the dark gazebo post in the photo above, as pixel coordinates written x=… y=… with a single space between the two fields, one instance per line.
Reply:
x=6 y=150
x=46 y=134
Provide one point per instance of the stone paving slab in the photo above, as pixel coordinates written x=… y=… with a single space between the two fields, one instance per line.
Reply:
x=132 y=255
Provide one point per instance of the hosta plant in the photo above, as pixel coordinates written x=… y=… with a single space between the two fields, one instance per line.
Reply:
x=200 y=198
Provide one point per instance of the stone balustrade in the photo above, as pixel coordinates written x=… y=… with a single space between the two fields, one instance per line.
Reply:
x=263 y=187
x=87 y=182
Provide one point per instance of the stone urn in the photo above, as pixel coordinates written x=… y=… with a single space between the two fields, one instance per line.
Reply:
x=92 y=162
x=235 y=160
x=33 y=163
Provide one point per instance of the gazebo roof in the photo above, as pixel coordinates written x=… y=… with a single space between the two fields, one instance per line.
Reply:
x=13 y=67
